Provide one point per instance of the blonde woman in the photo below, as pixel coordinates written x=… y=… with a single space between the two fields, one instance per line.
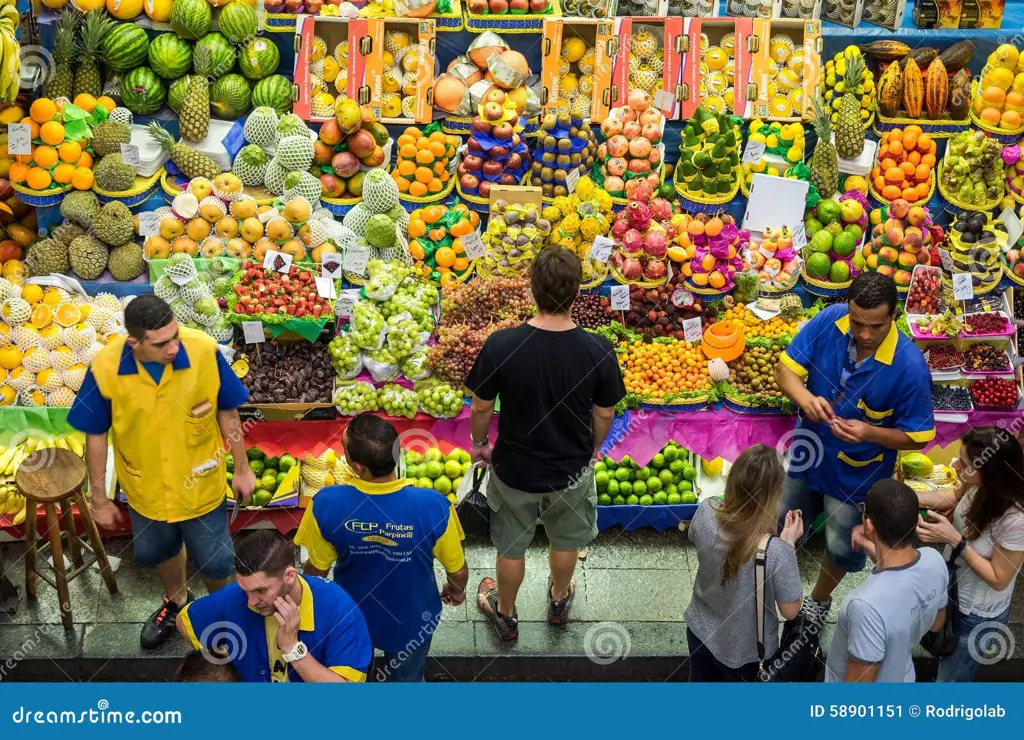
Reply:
x=721 y=626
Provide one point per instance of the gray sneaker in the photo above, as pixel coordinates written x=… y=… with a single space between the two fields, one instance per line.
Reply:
x=558 y=609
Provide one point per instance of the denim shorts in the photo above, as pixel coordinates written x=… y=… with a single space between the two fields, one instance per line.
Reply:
x=206 y=538
x=840 y=520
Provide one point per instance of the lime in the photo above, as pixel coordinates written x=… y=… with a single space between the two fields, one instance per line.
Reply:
x=622 y=474
x=424 y=483
x=416 y=470
x=685 y=486
x=676 y=466
x=609 y=463
x=658 y=461
x=625 y=488
x=666 y=477
x=230 y=476
x=613 y=487
x=601 y=479
x=689 y=497
x=639 y=488
x=268 y=481
x=257 y=466
x=412 y=457
x=434 y=469
x=646 y=500
x=618 y=501
x=674 y=498
x=270 y=471
x=287 y=462
x=661 y=498
x=600 y=467
x=280 y=479
x=689 y=472
x=654 y=484
x=466 y=465
x=456 y=483
x=604 y=500
x=433 y=455
x=443 y=485
x=261 y=497
x=670 y=454
x=643 y=473
x=671 y=489
x=627 y=462
x=455 y=455
x=632 y=500
x=453 y=468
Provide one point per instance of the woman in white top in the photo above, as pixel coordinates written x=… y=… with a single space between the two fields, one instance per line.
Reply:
x=987 y=536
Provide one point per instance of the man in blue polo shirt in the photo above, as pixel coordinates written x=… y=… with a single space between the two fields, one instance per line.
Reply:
x=864 y=392
x=276 y=626
x=382 y=535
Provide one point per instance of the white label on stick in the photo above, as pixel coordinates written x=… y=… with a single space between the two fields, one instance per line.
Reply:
x=620 y=297
x=571 y=179
x=963 y=286
x=325 y=288
x=252 y=332
x=130 y=154
x=149 y=223
x=601 y=249
x=19 y=138
x=799 y=237
x=277 y=261
x=473 y=245
x=692 y=330
x=355 y=261
x=753 y=152
x=346 y=302
x=331 y=266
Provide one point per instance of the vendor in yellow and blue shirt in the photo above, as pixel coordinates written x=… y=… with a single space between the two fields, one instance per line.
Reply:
x=276 y=626
x=864 y=392
x=382 y=536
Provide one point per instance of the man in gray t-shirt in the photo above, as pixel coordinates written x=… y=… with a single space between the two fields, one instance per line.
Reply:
x=902 y=599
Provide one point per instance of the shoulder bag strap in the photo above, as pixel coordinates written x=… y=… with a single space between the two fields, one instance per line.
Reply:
x=760 y=558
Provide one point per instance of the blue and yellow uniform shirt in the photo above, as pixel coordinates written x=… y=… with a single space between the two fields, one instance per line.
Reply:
x=383 y=538
x=330 y=625
x=890 y=389
x=168 y=449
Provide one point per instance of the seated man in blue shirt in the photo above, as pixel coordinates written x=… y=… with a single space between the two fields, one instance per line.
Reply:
x=276 y=626
x=864 y=392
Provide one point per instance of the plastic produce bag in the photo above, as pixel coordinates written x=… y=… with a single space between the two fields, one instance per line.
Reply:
x=398 y=401
x=440 y=400
x=351 y=398
x=381 y=364
x=346 y=357
x=368 y=327
x=416 y=366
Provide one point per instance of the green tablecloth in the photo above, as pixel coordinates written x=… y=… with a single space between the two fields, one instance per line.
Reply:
x=39 y=421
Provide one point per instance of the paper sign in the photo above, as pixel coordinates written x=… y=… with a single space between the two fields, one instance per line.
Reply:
x=331 y=266
x=1013 y=226
x=963 y=286
x=753 y=152
x=620 y=297
x=777 y=200
x=692 y=331
x=355 y=261
x=601 y=249
x=325 y=288
x=473 y=245
x=799 y=237
x=664 y=100
x=346 y=301
x=130 y=154
x=278 y=261
x=947 y=260
x=252 y=332
x=19 y=138
x=149 y=223
x=571 y=179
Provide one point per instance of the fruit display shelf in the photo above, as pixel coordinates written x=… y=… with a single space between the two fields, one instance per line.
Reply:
x=174 y=185
x=512 y=22
x=143 y=189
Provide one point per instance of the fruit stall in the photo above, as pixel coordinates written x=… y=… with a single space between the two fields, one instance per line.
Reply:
x=348 y=196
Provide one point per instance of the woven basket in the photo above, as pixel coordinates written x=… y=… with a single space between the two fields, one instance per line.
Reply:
x=340 y=206
x=944 y=129
x=478 y=204
x=743 y=407
x=875 y=196
x=412 y=202
x=695 y=404
x=1010 y=275
x=143 y=190
x=952 y=200
x=1004 y=136
x=40 y=198
x=280 y=22
x=699 y=204
x=528 y=23
x=450 y=22
x=463 y=126
x=640 y=283
x=823 y=288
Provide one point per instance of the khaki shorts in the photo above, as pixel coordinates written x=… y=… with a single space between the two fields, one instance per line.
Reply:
x=569 y=516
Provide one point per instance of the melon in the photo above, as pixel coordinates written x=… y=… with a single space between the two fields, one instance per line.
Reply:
x=191 y=19
x=258 y=58
x=124 y=47
x=237 y=22
x=124 y=10
x=273 y=92
x=158 y=10
x=170 y=56
x=142 y=91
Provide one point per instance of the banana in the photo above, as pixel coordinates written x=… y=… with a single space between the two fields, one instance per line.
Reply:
x=6 y=457
x=19 y=518
x=61 y=444
x=75 y=445
x=14 y=504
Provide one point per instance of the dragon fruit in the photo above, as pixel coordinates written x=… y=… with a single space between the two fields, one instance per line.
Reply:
x=619 y=228
x=633 y=241
x=631 y=269
x=639 y=215
x=655 y=244
x=661 y=209
x=654 y=269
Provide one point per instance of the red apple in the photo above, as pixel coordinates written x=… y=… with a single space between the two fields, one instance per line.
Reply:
x=472 y=162
x=498 y=6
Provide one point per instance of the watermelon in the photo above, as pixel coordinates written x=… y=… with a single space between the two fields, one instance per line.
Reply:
x=273 y=92
x=237 y=22
x=169 y=56
x=176 y=94
x=258 y=58
x=213 y=56
x=124 y=47
x=142 y=91
x=230 y=96
x=191 y=19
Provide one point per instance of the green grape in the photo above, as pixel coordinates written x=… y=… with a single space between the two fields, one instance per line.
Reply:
x=441 y=401
x=382 y=364
x=344 y=355
x=416 y=366
x=355 y=398
x=403 y=334
x=398 y=401
x=367 y=325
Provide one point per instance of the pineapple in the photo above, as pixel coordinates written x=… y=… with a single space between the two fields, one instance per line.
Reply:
x=192 y=163
x=824 y=162
x=195 y=109
x=87 y=77
x=849 y=124
x=63 y=52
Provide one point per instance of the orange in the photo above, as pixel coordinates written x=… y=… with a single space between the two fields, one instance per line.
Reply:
x=70 y=151
x=412 y=131
x=990 y=116
x=923 y=189
x=928 y=159
x=437 y=148
x=106 y=102
x=440 y=167
x=405 y=139
x=403 y=185
x=424 y=175
x=33 y=126
x=423 y=156
x=52 y=133
x=38 y=179
x=423 y=142
x=910 y=141
x=889 y=192
x=895 y=135
x=914 y=157
x=416 y=250
x=438 y=137
x=82 y=179
x=1010 y=119
x=453 y=141
x=457 y=246
x=407 y=151
x=444 y=257
x=85 y=160
x=924 y=142
x=63 y=173
x=888 y=163
x=907 y=169
x=86 y=102
x=913 y=129
x=922 y=172
x=461 y=228
x=18 y=172
x=460 y=264
x=896 y=148
x=416 y=228
x=474 y=219
x=417 y=189
x=910 y=194
x=45 y=156
x=43 y=110
x=438 y=233
x=435 y=186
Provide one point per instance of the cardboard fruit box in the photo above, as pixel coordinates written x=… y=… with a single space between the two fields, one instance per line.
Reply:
x=720 y=76
x=411 y=44
x=333 y=31
x=788 y=94
x=631 y=60
x=567 y=73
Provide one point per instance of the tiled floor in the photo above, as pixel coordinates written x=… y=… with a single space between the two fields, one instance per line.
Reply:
x=632 y=591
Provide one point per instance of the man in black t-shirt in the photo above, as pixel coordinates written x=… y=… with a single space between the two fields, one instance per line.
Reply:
x=559 y=386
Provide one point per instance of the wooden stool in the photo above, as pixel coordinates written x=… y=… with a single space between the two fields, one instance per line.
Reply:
x=47 y=478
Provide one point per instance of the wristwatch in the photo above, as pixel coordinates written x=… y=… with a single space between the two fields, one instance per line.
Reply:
x=479 y=444
x=296 y=653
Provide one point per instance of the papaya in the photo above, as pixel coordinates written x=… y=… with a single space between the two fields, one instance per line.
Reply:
x=916 y=465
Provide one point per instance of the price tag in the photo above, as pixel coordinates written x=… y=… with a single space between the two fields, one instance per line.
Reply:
x=355 y=261
x=571 y=179
x=963 y=286
x=601 y=249
x=664 y=100
x=946 y=259
x=252 y=332
x=346 y=301
x=799 y=237
x=149 y=223
x=331 y=266
x=19 y=138
x=278 y=261
x=692 y=331
x=130 y=154
x=753 y=152
x=620 y=297
x=325 y=288
x=473 y=245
